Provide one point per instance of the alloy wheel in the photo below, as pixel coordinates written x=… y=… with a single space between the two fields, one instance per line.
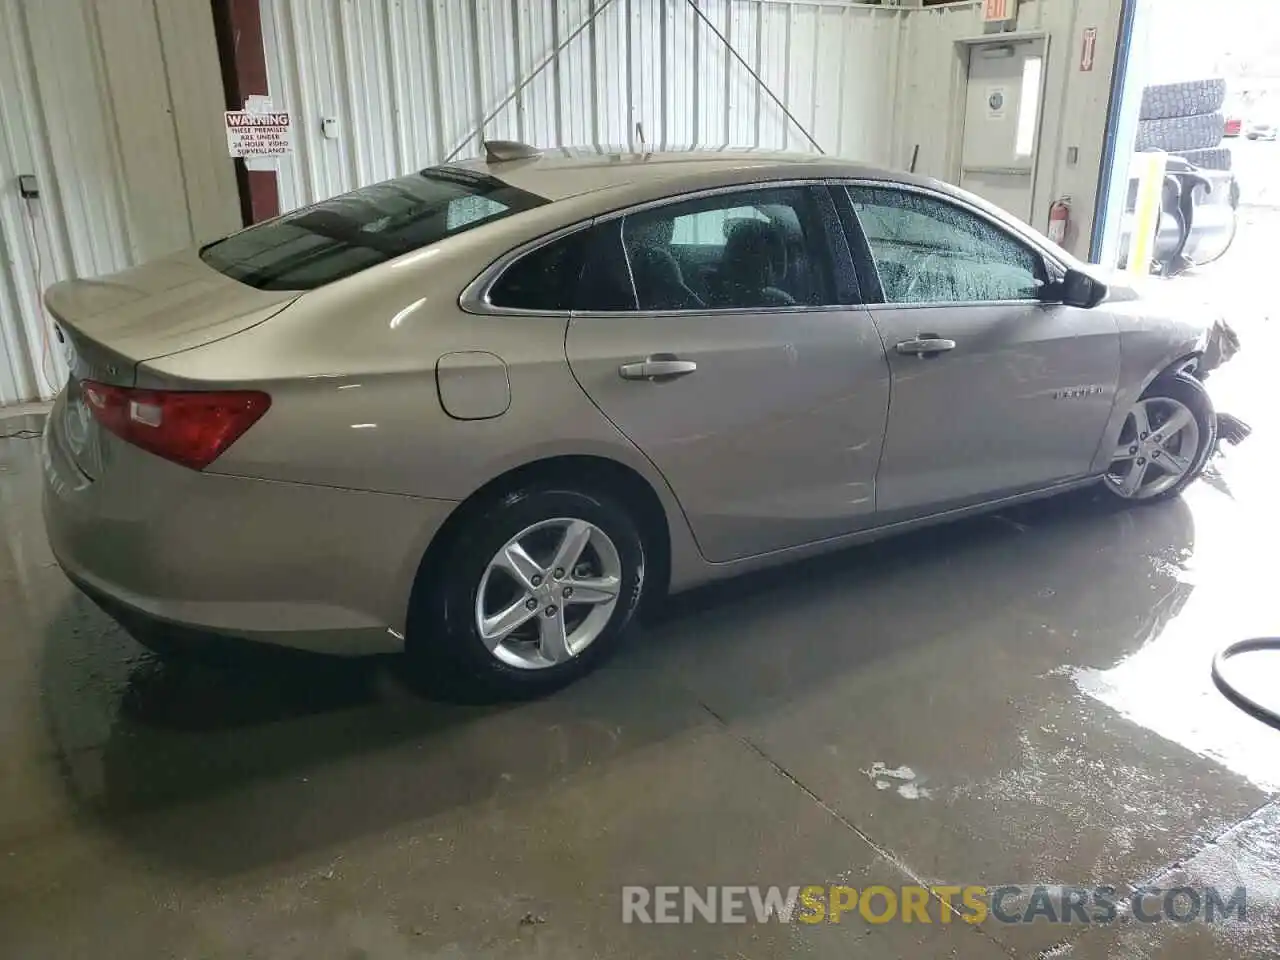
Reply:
x=1157 y=448
x=548 y=593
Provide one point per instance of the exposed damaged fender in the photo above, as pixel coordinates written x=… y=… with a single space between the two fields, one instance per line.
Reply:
x=1163 y=331
x=1144 y=306
x=1220 y=344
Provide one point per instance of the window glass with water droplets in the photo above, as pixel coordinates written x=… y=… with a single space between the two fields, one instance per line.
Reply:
x=930 y=251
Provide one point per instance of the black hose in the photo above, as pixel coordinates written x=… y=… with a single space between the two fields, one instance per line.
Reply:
x=1235 y=228
x=1250 y=706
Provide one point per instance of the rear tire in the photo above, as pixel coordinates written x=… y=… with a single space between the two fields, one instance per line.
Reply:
x=471 y=581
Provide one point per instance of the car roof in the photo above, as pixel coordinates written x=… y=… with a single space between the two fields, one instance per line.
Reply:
x=594 y=180
x=563 y=172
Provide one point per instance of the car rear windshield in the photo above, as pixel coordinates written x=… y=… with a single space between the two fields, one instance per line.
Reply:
x=336 y=238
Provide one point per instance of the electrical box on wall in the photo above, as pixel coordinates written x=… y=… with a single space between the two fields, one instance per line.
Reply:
x=28 y=187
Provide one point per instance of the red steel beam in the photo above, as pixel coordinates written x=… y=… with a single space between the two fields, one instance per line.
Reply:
x=243 y=57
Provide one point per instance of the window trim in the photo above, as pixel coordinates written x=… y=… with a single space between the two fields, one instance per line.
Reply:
x=858 y=241
x=844 y=284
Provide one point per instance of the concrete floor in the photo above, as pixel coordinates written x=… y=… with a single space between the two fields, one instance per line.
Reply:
x=1254 y=163
x=1043 y=674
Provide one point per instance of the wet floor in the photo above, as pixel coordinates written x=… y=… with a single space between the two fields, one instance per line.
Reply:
x=1019 y=699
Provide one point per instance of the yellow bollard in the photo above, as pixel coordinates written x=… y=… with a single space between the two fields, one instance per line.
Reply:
x=1148 y=169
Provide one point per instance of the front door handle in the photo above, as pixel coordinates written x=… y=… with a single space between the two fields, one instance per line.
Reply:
x=660 y=366
x=925 y=346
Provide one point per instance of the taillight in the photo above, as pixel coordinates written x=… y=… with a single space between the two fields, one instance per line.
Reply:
x=189 y=427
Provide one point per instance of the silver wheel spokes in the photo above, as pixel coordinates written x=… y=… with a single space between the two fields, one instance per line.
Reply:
x=1157 y=448
x=548 y=593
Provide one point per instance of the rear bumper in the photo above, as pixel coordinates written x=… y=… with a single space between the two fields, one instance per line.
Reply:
x=168 y=636
x=163 y=547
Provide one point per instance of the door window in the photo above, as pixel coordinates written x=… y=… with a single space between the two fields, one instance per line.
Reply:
x=749 y=249
x=708 y=227
x=1028 y=107
x=929 y=251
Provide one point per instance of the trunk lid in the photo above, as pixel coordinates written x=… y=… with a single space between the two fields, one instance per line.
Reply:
x=107 y=326
x=110 y=324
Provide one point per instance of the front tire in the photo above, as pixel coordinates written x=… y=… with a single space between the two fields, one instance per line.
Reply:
x=1165 y=442
x=534 y=590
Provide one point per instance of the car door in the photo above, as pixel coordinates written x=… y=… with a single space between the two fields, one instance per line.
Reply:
x=994 y=391
x=757 y=386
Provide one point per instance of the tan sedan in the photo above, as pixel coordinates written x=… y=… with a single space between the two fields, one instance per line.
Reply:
x=479 y=411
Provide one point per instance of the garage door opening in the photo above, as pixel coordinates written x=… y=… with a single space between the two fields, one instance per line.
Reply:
x=1192 y=187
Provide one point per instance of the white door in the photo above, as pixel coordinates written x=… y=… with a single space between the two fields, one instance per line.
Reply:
x=1002 y=123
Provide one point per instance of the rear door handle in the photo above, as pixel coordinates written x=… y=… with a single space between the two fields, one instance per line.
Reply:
x=660 y=366
x=925 y=346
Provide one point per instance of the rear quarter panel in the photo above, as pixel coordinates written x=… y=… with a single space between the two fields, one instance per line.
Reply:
x=351 y=370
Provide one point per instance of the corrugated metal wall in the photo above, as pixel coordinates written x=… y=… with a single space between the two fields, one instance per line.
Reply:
x=116 y=108
x=410 y=81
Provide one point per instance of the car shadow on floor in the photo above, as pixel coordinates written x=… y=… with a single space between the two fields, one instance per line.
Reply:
x=290 y=755
x=1080 y=557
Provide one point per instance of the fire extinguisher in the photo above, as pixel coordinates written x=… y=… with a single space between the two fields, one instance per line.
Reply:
x=1059 y=219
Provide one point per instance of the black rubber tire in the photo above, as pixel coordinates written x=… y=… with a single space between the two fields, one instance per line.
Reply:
x=1210 y=158
x=1190 y=392
x=443 y=644
x=1188 y=98
x=1197 y=132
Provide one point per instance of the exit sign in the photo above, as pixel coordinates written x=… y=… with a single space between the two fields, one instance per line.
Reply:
x=999 y=11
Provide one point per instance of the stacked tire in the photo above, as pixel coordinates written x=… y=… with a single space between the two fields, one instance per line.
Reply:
x=1209 y=158
x=1186 y=119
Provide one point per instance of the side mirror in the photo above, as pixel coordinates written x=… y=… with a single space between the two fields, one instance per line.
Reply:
x=1076 y=289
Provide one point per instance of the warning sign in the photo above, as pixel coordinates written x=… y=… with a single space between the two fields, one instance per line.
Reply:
x=258 y=134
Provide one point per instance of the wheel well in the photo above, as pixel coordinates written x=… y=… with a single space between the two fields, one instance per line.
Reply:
x=577 y=473
x=1188 y=364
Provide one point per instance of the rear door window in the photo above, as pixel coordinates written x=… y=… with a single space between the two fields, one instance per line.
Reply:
x=342 y=236
x=750 y=249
